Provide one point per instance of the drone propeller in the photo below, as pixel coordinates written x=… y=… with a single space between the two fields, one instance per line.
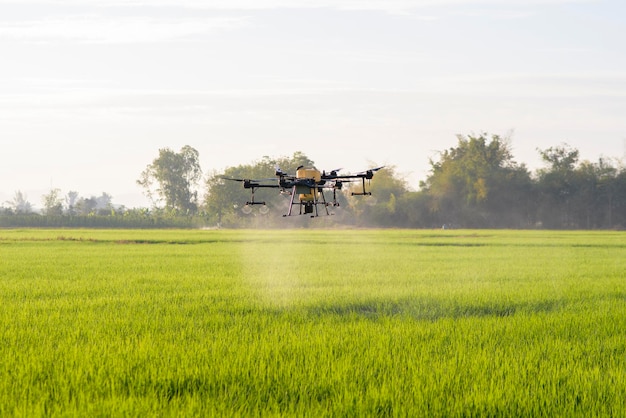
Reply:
x=248 y=180
x=338 y=184
x=368 y=174
x=372 y=170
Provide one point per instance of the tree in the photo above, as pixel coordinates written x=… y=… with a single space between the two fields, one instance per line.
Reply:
x=104 y=204
x=607 y=176
x=94 y=205
x=478 y=184
x=52 y=203
x=414 y=210
x=382 y=208
x=619 y=200
x=86 y=206
x=557 y=185
x=175 y=175
x=71 y=199
x=20 y=204
x=593 y=189
x=561 y=159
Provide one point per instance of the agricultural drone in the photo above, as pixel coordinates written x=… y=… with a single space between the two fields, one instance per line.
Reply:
x=307 y=187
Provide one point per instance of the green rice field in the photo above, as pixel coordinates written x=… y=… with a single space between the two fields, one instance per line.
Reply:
x=300 y=322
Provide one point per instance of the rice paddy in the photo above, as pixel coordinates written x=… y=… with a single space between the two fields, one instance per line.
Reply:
x=312 y=323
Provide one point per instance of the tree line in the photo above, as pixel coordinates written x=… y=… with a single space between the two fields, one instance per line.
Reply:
x=478 y=184
x=475 y=184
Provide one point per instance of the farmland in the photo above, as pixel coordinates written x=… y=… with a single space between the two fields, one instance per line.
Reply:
x=312 y=322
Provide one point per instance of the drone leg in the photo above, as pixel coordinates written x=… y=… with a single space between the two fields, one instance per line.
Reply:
x=364 y=193
x=314 y=202
x=251 y=201
x=324 y=200
x=293 y=195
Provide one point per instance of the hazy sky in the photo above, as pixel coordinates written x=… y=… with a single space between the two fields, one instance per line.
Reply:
x=91 y=89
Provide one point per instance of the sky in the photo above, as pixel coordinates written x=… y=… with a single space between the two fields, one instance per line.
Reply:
x=90 y=90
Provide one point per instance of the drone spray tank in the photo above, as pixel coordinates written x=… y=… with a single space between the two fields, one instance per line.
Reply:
x=306 y=194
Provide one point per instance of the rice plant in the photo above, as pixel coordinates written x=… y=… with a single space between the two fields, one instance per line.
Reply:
x=312 y=323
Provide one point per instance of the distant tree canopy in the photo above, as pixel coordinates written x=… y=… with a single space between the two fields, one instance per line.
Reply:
x=478 y=184
x=385 y=206
x=19 y=204
x=175 y=175
x=580 y=195
x=53 y=203
x=475 y=184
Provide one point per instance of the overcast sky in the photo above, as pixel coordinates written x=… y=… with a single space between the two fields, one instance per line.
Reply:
x=91 y=89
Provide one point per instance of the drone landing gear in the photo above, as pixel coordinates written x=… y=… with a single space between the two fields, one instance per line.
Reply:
x=252 y=202
x=247 y=209
x=309 y=206
x=363 y=193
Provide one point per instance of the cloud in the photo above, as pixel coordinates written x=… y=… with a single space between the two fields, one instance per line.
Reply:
x=97 y=29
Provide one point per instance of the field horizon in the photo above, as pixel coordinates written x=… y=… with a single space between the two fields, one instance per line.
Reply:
x=353 y=322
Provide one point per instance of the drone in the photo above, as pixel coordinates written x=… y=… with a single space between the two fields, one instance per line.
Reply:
x=306 y=188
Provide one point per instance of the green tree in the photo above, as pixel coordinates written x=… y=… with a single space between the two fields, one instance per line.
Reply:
x=385 y=206
x=414 y=210
x=71 y=199
x=175 y=175
x=608 y=194
x=557 y=185
x=53 y=203
x=20 y=204
x=593 y=195
x=478 y=184
x=618 y=218
x=104 y=204
x=86 y=206
x=562 y=158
